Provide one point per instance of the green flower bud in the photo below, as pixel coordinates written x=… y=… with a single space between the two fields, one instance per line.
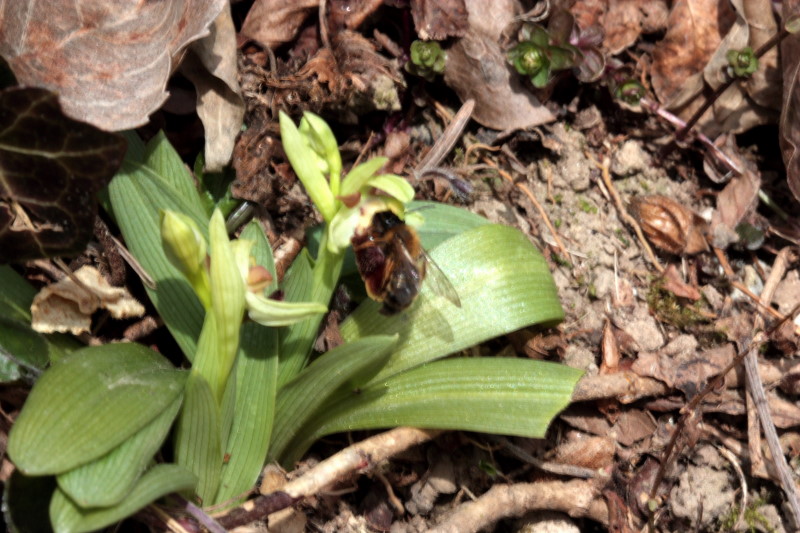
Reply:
x=186 y=248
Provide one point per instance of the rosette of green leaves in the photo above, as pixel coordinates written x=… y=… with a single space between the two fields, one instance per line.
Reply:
x=742 y=63
x=427 y=59
x=534 y=56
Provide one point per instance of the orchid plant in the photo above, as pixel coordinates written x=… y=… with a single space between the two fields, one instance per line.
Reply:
x=98 y=416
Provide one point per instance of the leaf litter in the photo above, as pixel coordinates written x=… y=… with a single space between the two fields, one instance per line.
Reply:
x=591 y=181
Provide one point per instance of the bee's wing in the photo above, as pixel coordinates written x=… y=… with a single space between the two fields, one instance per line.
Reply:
x=438 y=281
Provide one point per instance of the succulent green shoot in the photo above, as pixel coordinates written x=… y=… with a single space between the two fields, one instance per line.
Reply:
x=394 y=186
x=630 y=91
x=306 y=163
x=358 y=177
x=427 y=59
x=186 y=248
x=322 y=141
x=742 y=63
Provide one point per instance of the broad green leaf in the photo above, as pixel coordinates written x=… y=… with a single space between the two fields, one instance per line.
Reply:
x=24 y=353
x=88 y=403
x=162 y=159
x=503 y=282
x=138 y=195
x=108 y=480
x=349 y=366
x=306 y=282
x=508 y=396
x=197 y=437
x=67 y=517
x=16 y=295
x=255 y=375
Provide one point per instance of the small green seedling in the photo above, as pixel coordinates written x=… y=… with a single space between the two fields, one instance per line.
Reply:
x=427 y=59
x=742 y=63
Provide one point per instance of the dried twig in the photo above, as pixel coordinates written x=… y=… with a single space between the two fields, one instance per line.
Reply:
x=576 y=498
x=756 y=388
x=448 y=139
x=726 y=267
x=623 y=213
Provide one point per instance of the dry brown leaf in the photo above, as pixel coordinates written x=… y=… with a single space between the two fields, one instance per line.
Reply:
x=275 y=22
x=477 y=69
x=350 y=14
x=109 y=61
x=744 y=104
x=633 y=425
x=626 y=20
x=439 y=19
x=736 y=201
x=66 y=306
x=695 y=30
x=764 y=86
x=212 y=67
x=790 y=110
x=585 y=451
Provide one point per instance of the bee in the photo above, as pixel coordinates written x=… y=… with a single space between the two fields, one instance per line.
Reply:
x=393 y=264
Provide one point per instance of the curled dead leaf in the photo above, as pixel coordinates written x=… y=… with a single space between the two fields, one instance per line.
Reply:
x=669 y=225
x=66 y=306
x=108 y=61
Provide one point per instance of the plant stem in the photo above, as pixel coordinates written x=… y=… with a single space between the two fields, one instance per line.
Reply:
x=763 y=49
x=296 y=346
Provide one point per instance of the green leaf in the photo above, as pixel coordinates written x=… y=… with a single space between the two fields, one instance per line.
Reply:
x=323 y=141
x=16 y=295
x=296 y=340
x=303 y=162
x=197 y=438
x=394 y=186
x=108 y=480
x=349 y=366
x=219 y=340
x=88 y=403
x=261 y=251
x=68 y=517
x=507 y=396
x=359 y=175
x=24 y=353
x=256 y=374
x=503 y=282
x=138 y=195
x=162 y=159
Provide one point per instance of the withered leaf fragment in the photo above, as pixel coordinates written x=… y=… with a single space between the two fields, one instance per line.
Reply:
x=669 y=225
x=439 y=19
x=51 y=167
